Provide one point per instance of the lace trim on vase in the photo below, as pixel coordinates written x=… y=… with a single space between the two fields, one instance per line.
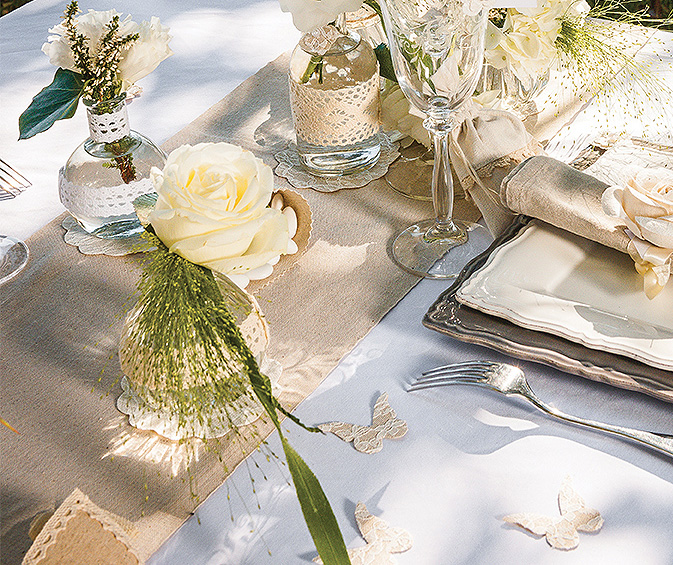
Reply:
x=336 y=118
x=109 y=126
x=103 y=201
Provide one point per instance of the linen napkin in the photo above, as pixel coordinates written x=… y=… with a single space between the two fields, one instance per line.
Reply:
x=554 y=192
x=483 y=150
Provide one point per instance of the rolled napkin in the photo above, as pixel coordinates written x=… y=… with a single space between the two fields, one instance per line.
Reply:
x=547 y=189
x=577 y=202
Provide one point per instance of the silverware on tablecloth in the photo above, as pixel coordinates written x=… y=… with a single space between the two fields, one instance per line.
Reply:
x=12 y=183
x=510 y=380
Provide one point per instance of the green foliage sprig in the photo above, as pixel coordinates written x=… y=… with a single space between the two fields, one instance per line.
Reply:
x=191 y=356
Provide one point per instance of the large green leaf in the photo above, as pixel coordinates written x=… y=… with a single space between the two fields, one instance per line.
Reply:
x=57 y=101
x=317 y=511
x=315 y=507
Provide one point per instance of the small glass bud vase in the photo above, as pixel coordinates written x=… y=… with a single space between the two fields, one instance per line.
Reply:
x=334 y=94
x=107 y=172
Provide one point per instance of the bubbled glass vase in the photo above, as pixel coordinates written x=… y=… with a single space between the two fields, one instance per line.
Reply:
x=335 y=100
x=108 y=171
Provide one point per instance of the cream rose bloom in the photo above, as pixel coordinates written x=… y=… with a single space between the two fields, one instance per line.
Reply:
x=213 y=210
x=308 y=15
x=137 y=61
x=526 y=42
x=645 y=205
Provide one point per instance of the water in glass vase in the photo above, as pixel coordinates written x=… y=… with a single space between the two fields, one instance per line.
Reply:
x=334 y=94
x=107 y=172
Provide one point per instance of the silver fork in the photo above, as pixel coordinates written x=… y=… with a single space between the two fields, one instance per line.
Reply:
x=511 y=381
x=12 y=183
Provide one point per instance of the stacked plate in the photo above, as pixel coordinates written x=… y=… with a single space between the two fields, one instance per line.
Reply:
x=542 y=294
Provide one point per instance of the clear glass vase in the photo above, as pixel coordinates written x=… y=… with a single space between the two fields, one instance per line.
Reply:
x=107 y=172
x=153 y=400
x=516 y=95
x=335 y=100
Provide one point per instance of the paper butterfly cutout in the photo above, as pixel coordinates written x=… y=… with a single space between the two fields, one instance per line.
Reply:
x=369 y=439
x=562 y=533
x=382 y=540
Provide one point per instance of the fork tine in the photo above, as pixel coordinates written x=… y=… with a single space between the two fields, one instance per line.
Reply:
x=16 y=175
x=420 y=384
x=461 y=367
x=8 y=184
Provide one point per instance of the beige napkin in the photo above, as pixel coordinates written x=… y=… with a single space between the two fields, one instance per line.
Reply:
x=554 y=192
x=483 y=150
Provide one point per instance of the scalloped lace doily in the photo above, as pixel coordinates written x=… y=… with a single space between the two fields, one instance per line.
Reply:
x=91 y=245
x=290 y=168
x=242 y=412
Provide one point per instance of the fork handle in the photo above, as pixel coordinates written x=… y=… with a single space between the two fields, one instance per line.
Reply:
x=660 y=442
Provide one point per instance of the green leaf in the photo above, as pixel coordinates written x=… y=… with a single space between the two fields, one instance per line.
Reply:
x=386 y=69
x=317 y=511
x=57 y=101
x=315 y=507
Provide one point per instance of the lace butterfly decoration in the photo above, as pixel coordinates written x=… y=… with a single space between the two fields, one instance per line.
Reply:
x=563 y=532
x=369 y=439
x=382 y=540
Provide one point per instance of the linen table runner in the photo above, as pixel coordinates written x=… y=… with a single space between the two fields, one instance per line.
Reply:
x=61 y=320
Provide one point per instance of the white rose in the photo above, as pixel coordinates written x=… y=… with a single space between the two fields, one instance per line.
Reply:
x=308 y=15
x=212 y=209
x=145 y=54
x=645 y=204
x=395 y=115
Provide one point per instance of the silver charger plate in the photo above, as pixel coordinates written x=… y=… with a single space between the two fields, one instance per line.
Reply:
x=448 y=316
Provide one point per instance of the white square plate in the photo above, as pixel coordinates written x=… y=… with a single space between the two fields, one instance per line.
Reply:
x=549 y=280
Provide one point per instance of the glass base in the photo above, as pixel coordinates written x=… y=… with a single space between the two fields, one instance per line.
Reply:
x=13 y=257
x=411 y=174
x=336 y=162
x=434 y=258
x=111 y=228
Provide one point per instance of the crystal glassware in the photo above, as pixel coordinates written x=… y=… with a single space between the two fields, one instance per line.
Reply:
x=335 y=100
x=13 y=257
x=437 y=48
x=107 y=172
x=516 y=93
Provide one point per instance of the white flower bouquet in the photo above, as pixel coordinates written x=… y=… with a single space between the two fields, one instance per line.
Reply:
x=99 y=55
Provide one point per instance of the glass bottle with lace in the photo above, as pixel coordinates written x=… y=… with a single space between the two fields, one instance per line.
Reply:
x=107 y=172
x=334 y=94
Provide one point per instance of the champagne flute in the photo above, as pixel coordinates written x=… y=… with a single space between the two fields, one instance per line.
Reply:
x=437 y=47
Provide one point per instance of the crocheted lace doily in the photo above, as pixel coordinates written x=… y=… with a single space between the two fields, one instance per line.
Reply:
x=144 y=416
x=290 y=168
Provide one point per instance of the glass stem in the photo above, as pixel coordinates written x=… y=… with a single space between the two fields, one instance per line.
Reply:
x=439 y=123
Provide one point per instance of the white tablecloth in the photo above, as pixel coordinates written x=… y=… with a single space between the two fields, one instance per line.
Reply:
x=470 y=456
